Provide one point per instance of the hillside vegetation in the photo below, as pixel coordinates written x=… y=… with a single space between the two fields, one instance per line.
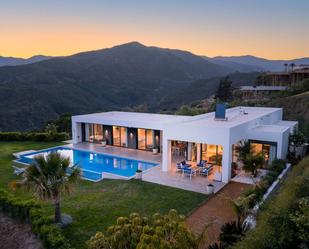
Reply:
x=109 y=79
x=283 y=223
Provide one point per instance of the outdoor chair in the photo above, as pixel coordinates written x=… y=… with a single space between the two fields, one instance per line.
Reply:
x=189 y=172
x=206 y=171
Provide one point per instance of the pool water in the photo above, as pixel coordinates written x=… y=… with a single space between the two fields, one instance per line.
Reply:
x=94 y=165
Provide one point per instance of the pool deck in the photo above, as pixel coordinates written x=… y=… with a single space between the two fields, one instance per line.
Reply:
x=118 y=151
x=155 y=175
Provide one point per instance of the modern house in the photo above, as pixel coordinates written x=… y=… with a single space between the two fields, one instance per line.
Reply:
x=212 y=136
x=290 y=77
x=258 y=92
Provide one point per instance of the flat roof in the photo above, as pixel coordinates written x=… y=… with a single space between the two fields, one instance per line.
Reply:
x=262 y=88
x=235 y=116
x=135 y=116
x=270 y=128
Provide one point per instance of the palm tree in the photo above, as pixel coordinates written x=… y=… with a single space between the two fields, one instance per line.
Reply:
x=286 y=67
x=49 y=177
x=292 y=65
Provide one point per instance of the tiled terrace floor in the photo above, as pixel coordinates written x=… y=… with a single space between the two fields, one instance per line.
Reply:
x=178 y=180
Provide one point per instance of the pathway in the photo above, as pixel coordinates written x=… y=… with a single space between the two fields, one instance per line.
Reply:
x=216 y=211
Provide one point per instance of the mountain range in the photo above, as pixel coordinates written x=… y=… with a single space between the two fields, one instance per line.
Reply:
x=12 y=61
x=256 y=63
x=123 y=76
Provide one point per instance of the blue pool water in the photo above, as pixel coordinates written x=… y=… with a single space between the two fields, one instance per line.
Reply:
x=93 y=165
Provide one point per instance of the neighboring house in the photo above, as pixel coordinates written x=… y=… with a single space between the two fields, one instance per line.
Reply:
x=294 y=75
x=201 y=137
x=258 y=92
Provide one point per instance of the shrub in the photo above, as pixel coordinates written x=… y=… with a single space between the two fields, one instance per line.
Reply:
x=162 y=231
x=275 y=228
x=31 y=211
x=33 y=136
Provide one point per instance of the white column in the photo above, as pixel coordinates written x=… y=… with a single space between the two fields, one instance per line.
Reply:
x=226 y=163
x=198 y=152
x=189 y=152
x=76 y=132
x=166 y=155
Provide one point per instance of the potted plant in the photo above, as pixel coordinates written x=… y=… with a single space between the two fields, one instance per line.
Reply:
x=155 y=150
x=103 y=142
x=210 y=189
x=138 y=174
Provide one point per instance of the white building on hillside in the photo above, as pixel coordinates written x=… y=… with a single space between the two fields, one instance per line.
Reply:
x=201 y=137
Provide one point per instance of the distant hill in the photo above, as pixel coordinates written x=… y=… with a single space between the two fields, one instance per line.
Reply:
x=12 y=61
x=123 y=76
x=233 y=65
x=259 y=64
x=202 y=89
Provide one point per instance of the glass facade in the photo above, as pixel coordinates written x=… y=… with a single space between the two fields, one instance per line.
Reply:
x=267 y=150
x=212 y=153
x=136 y=138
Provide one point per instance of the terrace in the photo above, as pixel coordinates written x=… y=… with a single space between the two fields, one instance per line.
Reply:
x=170 y=178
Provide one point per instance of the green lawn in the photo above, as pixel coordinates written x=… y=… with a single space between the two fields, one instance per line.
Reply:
x=95 y=206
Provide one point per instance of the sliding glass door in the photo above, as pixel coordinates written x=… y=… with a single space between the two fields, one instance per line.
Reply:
x=212 y=153
x=116 y=136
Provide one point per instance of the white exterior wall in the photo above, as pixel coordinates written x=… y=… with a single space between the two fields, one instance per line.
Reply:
x=194 y=130
x=76 y=132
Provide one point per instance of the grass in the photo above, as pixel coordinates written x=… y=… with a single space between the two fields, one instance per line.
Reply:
x=95 y=206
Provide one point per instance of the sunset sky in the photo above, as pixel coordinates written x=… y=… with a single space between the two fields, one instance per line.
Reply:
x=275 y=29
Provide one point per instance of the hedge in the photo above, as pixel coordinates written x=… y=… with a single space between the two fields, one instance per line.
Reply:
x=33 y=136
x=31 y=212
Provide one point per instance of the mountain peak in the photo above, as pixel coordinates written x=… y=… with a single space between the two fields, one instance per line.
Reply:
x=133 y=44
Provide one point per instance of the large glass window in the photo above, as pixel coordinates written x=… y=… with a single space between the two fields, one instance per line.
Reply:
x=268 y=151
x=212 y=153
x=98 y=133
x=116 y=136
x=149 y=139
x=89 y=133
x=141 y=135
x=123 y=137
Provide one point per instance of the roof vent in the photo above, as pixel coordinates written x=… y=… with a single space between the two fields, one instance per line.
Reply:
x=220 y=112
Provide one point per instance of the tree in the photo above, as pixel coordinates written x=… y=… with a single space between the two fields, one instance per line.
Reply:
x=243 y=150
x=231 y=232
x=292 y=65
x=252 y=163
x=224 y=91
x=49 y=177
x=63 y=123
x=51 y=128
x=285 y=67
x=162 y=232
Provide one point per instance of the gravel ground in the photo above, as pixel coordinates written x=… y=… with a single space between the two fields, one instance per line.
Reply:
x=15 y=235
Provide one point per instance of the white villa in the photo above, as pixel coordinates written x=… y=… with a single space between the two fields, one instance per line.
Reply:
x=193 y=138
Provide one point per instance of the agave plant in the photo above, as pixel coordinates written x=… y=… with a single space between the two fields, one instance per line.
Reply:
x=49 y=177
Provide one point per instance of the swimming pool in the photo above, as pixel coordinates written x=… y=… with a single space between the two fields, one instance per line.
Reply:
x=94 y=165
